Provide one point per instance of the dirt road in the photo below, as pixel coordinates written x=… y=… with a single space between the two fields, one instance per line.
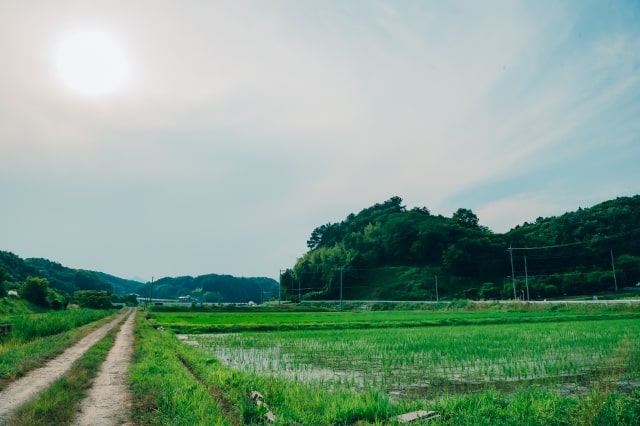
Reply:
x=26 y=388
x=109 y=399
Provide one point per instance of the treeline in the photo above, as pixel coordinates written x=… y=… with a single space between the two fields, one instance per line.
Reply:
x=368 y=253
x=213 y=288
x=51 y=285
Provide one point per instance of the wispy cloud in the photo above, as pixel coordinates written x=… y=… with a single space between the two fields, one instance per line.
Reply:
x=246 y=124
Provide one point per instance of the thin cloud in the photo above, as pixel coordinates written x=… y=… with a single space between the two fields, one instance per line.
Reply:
x=246 y=125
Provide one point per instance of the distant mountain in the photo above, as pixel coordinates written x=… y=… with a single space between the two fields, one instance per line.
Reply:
x=62 y=278
x=206 y=288
x=213 y=288
x=119 y=285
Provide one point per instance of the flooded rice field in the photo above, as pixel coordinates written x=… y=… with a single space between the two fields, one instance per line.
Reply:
x=411 y=363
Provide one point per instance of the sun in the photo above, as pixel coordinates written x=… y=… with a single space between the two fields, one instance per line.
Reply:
x=91 y=62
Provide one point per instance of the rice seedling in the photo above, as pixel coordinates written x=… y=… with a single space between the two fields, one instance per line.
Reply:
x=451 y=357
x=478 y=374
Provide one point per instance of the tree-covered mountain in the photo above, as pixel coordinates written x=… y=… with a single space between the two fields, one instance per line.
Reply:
x=66 y=280
x=119 y=285
x=389 y=251
x=213 y=288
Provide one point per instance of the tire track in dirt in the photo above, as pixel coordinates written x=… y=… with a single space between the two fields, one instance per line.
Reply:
x=24 y=389
x=108 y=401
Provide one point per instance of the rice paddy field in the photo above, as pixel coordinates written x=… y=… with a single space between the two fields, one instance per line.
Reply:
x=426 y=357
x=426 y=362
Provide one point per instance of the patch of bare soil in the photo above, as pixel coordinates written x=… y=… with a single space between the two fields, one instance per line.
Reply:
x=109 y=399
x=26 y=388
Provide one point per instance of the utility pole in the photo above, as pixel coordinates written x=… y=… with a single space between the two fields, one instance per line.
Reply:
x=150 y=298
x=613 y=266
x=513 y=276
x=341 y=272
x=526 y=277
x=437 y=297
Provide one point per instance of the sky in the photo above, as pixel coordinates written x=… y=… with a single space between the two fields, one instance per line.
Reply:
x=154 y=138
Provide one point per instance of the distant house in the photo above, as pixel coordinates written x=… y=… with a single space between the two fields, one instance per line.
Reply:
x=12 y=293
x=185 y=299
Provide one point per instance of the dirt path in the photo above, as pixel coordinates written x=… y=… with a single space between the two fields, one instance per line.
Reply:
x=26 y=388
x=109 y=399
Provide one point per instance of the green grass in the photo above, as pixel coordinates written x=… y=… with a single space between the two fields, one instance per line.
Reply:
x=18 y=357
x=175 y=381
x=165 y=391
x=430 y=361
x=28 y=327
x=12 y=306
x=59 y=403
x=279 y=320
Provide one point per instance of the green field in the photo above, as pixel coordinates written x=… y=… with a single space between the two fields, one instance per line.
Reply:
x=419 y=362
x=232 y=320
x=498 y=365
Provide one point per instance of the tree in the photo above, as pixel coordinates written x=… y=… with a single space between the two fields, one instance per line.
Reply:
x=34 y=290
x=466 y=218
x=93 y=299
x=3 y=285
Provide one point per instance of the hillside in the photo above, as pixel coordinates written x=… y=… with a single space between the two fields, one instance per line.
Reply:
x=213 y=288
x=389 y=252
x=119 y=285
x=64 y=279
x=210 y=288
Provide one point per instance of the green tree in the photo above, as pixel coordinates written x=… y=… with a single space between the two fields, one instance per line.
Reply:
x=35 y=290
x=3 y=285
x=93 y=299
x=466 y=218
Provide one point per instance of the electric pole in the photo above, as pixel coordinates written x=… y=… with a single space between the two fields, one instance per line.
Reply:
x=613 y=266
x=341 y=271
x=513 y=276
x=526 y=278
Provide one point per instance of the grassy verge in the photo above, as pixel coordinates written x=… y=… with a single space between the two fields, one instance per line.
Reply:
x=28 y=327
x=538 y=407
x=16 y=359
x=60 y=402
x=164 y=391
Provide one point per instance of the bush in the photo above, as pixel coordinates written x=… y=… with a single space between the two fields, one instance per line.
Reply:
x=35 y=290
x=93 y=299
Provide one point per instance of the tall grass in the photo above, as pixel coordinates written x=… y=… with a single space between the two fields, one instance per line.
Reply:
x=29 y=327
x=165 y=392
x=17 y=356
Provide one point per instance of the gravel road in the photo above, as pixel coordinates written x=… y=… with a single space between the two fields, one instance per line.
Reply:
x=29 y=386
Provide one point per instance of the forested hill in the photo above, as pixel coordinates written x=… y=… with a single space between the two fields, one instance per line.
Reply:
x=15 y=270
x=213 y=288
x=207 y=288
x=389 y=251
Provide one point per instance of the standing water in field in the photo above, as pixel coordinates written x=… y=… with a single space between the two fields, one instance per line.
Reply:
x=409 y=363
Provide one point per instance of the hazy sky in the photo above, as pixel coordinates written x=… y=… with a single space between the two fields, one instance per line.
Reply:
x=215 y=136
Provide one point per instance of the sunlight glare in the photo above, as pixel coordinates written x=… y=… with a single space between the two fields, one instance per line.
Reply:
x=91 y=62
